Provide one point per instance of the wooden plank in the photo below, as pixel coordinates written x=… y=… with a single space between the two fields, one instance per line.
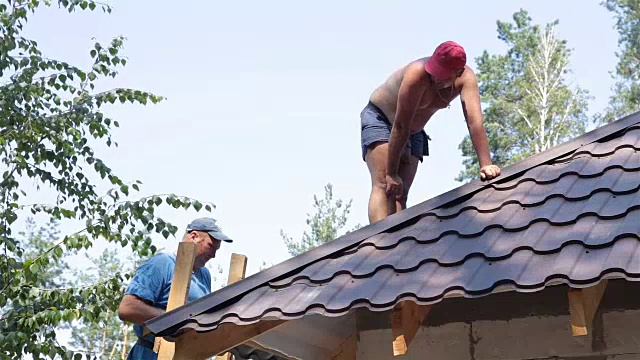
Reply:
x=583 y=304
x=405 y=322
x=237 y=272
x=237 y=268
x=221 y=340
x=179 y=291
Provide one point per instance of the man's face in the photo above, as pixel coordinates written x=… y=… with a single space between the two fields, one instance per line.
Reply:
x=447 y=82
x=207 y=245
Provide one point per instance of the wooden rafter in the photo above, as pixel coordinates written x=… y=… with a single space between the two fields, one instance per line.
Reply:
x=194 y=345
x=583 y=304
x=405 y=322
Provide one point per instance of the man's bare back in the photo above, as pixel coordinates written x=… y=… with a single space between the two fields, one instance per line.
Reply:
x=386 y=97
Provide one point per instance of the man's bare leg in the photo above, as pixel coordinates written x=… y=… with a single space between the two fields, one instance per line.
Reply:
x=407 y=172
x=380 y=206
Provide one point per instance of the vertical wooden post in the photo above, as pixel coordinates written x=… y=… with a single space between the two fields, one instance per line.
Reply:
x=178 y=293
x=237 y=270
x=583 y=304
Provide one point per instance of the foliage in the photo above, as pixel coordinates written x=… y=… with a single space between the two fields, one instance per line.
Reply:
x=325 y=224
x=50 y=119
x=218 y=276
x=528 y=105
x=626 y=97
x=107 y=338
x=36 y=240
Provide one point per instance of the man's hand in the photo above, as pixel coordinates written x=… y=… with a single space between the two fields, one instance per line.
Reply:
x=487 y=172
x=394 y=186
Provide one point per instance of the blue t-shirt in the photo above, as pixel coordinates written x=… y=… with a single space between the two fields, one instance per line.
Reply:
x=152 y=282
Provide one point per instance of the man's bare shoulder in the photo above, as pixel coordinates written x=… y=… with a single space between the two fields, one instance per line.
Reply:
x=468 y=77
x=415 y=69
x=415 y=75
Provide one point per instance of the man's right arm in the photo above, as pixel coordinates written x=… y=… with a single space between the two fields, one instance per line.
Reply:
x=145 y=290
x=136 y=310
x=409 y=95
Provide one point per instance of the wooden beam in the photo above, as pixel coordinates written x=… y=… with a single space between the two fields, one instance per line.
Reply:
x=237 y=272
x=583 y=304
x=178 y=293
x=226 y=336
x=405 y=322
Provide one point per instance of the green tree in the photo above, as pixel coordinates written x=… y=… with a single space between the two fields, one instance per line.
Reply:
x=36 y=240
x=109 y=337
x=626 y=91
x=51 y=119
x=325 y=224
x=528 y=104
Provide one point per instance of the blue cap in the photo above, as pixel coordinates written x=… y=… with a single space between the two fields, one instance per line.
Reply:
x=210 y=226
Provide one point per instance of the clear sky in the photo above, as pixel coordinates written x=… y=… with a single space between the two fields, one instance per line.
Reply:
x=263 y=98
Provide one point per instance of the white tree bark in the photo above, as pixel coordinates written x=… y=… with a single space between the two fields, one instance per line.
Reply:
x=545 y=70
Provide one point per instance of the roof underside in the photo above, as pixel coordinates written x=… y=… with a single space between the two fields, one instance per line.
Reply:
x=573 y=218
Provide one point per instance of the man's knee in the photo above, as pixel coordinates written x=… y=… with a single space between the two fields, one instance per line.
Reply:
x=379 y=184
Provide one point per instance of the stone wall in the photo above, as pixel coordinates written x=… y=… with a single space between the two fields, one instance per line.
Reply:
x=616 y=336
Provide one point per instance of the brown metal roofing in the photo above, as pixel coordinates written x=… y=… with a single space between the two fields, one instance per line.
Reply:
x=569 y=214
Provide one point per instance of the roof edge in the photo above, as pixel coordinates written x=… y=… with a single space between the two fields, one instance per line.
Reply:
x=226 y=294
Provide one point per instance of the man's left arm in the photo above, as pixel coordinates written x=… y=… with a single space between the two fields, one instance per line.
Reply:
x=470 y=99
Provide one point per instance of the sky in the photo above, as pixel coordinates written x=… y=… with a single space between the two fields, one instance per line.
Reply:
x=263 y=98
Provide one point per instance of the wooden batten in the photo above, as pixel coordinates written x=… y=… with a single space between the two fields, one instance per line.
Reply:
x=405 y=322
x=237 y=272
x=583 y=304
x=178 y=292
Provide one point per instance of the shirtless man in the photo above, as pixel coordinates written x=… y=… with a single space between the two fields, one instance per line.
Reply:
x=392 y=135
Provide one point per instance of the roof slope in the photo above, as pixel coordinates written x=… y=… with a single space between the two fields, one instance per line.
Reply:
x=569 y=214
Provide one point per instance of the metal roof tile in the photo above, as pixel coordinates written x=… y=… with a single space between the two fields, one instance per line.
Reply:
x=572 y=216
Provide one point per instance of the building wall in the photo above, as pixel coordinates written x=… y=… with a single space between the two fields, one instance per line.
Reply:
x=616 y=336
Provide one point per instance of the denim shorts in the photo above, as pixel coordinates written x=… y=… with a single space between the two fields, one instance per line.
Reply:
x=375 y=127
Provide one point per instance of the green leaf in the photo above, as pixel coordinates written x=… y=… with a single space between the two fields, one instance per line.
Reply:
x=34 y=268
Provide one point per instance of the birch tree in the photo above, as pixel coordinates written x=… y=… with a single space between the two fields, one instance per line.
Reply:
x=548 y=109
x=528 y=102
x=52 y=124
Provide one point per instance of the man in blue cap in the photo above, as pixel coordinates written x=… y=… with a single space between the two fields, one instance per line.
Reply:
x=148 y=293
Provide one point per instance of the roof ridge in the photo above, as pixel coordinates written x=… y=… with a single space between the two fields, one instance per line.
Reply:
x=220 y=298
